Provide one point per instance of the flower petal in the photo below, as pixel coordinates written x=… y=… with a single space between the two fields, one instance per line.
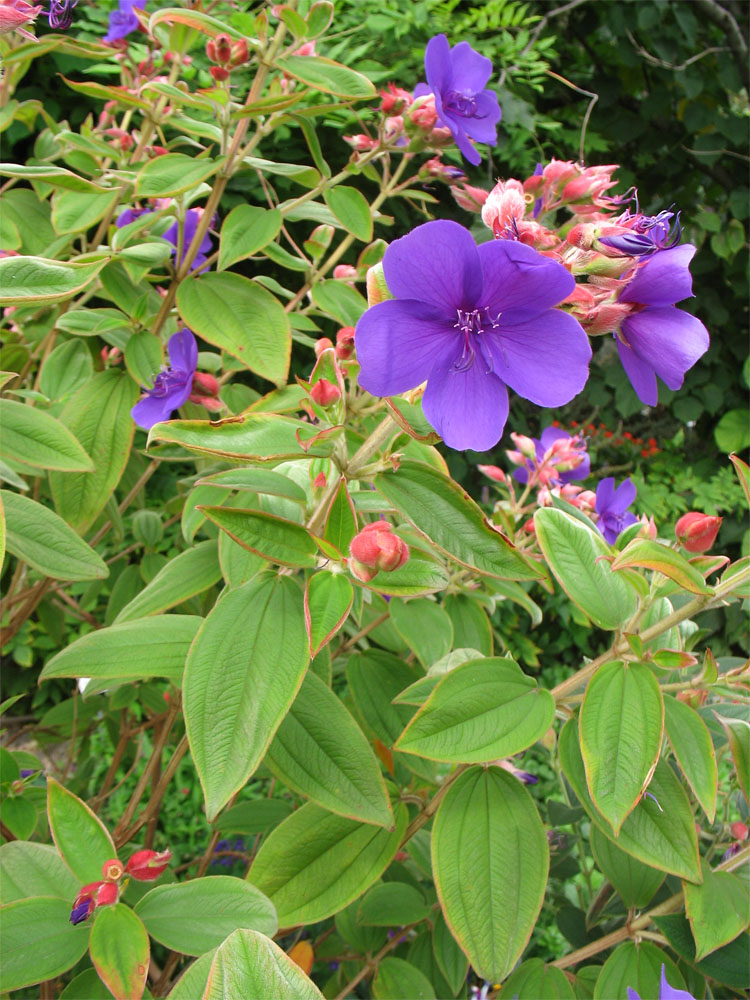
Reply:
x=456 y=124
x=517 y=277
x=470 y=70
x=437 y=63
x=622 y=498
x=398 y=343
x=669 y=340
x=183 y=351
x=642 y=376
x=544 y=359
x=482 y=125
x=152 y=410
x=435 y=263
x=548 y=437
x=664 y=279
x=467 y=408
x=604 y=493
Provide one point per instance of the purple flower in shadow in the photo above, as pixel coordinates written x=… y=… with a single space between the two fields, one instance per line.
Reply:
x=542 y=445
x=612 y=507
x=124 y=20
x=658 y=339
x=471 y=321
x=173 y=386
x=172 y=235
x=457 y=77
x=666 y=992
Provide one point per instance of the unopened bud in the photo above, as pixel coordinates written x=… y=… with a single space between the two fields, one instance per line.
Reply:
x=394 y=100
x=376 y=548
x=147 y=866
x=240 y=53
x=345 y=271
x=325 y=393
x=320 y=482
x=219 y=73
x=697 y=532
x=493 y=472
x=524 y=444
x=648 y=527
x=322 y=344
x=219 y=49
x=739 y=831
x=345 y=343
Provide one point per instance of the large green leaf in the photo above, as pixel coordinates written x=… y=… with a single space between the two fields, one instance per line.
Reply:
x=534 y=980
x=252 y=437
x=320 y=751
x=98 y=414
x=38 y=941
x=635 y=882
x=151 y=647
x=37 y=535
x=250 y=965
x=119 y=949
x=172 y=174
x=490 y=859
x=242 y=318
x=692 y=745
x=183 y=577
x=420 y=574
x=31 y=869
x=37 y=281
x=274 y=538
x=718 y=910
x=315 y=862
x=660 y=831
x=327 y=76
x=575 y=554
x=34 y=437
x=621 y=727
x=441 y=510
x=193 y=917
x=728 y=964
x=192 y=982
x=479 y=712
x=637 y=966
x=243 y=672
x=245 y=231
x=81 y=838
x=392 y=904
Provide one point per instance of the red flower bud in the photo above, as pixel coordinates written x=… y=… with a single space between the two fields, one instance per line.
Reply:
x=376 y=548
x=219 y=73
x=89 y=897
x=147 y=866
x=322 y=344
x=345 y=343
x=219 y=49
x=493 y=472
x=112 y=871
x=739 y=831
x=394 y=99
x=697 y=532
x=324 y=393
x=240 y=53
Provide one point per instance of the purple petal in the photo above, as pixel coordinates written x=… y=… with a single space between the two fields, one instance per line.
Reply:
x=437 y=63
x=398 y=343
x=544 y=359
x=551 y=434
x=667 y=992
x=517 y=277
x=456 y=124
x=183 y=351
x=435 y=263
x=604 y=493
x=623 y=496
x=152 y=410
x=664 y=279
x=668 y=339
x=642 y=376
x=581 y=471
x=482 y=125
x=470 y=70
x=467 y=408
x=422 y=90
x=521 y=474
x=632 y=995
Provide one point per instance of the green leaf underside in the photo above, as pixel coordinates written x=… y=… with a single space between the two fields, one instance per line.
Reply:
x=184 y=576
x=274 y=538
x=635 y=882
x=718 y=910
x=31 y=869
x=328 y=600
x=73 y=825
x=536 y=981
x=36 y=438
x=249 y=965
x=692 y=746
x=256 y=437
x=119 y=949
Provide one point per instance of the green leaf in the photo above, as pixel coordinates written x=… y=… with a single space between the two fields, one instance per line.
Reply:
x=88 y=984
x=240 y=682
x=245 y=231
x=718 y=910
x=143 y=357
x=642 y=552
x=44 y=922
x=56 y=176
x=440 y=510
x=732 y=433
x=257 y=481
x=425 y=627
x=352 y=210
x=635 y=882
x=479 y=712
x=728 y=964
x=392 y=904
x=65 y=369
x=36 y=438
x=319 y=751
x=249 y=964
x=43 y=540
x=172 y=174
x=81 y=838
x=396 y=979
x=659 y=833
x=193 y=981
x=621 y=726
x=315 y=862
x=339 y=300
x=638 y=967
x=252 y=437
x=34 y=280
x=119 y=950
x=31 y=869
x=738 y=735
x=536 y=981
x=183 y=577
x=450 y=958
x=490 y=859
x=251 y=817
x=692 y=746
x=574 y=554
x=242 y=318
x=74 y=211
x=193 y=917
x=19 y=815
x=743 y=474
x=274 y=538
x=327 y=76
x=471 y=626
x=341 y=521
x=420 y=574
x=98 y=414
x=328 y=601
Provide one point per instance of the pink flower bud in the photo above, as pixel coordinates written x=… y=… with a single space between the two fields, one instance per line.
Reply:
x=471 y=199
x=524 y=444
x=320 y=482
x=112 y=871
x=322 y=344
x=325 y=393
x=394 y=100
x=345 y=343
x=697 y=532
x=376 y=548
x=423 y=113
x=362 y=143
x=219 y=73
x=219 y=49
x=648 y=527
x=308 y=49
x=739 y=831
x=345 y=271
x=240 y=53
x=147 y=866
x=493 y=472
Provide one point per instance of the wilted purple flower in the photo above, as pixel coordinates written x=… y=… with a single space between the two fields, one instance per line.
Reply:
x=457 y=77
x=656 y=338
x=666 y=992
x=471 y=320
x=542 y=445
x=61 y=13
x=123 y=20
x=612 y=507
x=173 y=386
x=172 y=235
x=647 y=233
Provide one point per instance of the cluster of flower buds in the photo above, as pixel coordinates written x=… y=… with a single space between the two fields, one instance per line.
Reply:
x=556 y=458
x=226 y=55
x=144 y=866
x=697 y=532
x=376 y=548
x=344 y=347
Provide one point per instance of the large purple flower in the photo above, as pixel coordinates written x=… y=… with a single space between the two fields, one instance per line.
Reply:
x=171 y=387
x=542 y=445
x=612 y=507
x=191 y=224
x=666 y=992
x=658 y=339
x=123 y=20
x=471 y=320
x=457 y=77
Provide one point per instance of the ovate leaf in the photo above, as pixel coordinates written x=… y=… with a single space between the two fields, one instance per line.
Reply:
x=80 y=836
x=249 y=964
x=36 y=438
x=119 y=950
x=44 y=922
x=692 y=745
x=718 y=910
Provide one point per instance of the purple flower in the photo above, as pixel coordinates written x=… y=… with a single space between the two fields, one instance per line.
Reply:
x=542 y=445
x=658 y=339
x=192 y=217
x=612 y=507
x=123 y=20
x=471 y=320
x=457 y=77
x=81 y=911
x=61 y=13
x=173 y=386
x=648 y=233
x=130 y=215
x=666 y=992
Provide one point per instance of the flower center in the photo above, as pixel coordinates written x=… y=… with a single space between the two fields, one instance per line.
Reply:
x=167 y=381
x=472 y=323
x=464 y=105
